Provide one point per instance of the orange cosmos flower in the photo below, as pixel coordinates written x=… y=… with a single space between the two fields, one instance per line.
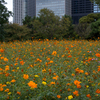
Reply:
x=13 y=80
x=86 y=73
x=76 y=93
x=55 y=78
x=73 y=74
x=97 y=54
x=18 y=93
x=22 y=62
x=1 y=88
x=32 y=84
x=6 y=68
x=98 y=91
x=69 y=56
x=48 y=59
x=78 y=86
x=76 y=82
x=58 y=96
x=1 y=69
x=88 y=95
x=44 y=70
x=7 y=90
x=5 y=59
x=54 y=53
x=52 y=83
x=25 y=76
x=1 y=50
x=51 y=61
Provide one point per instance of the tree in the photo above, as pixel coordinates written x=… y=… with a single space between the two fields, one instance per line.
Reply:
x=4 y=15
x=95 y=30
x=96 y=1
x=16 y=32
x=67 y=26
x=92 y=17
x=50 y=24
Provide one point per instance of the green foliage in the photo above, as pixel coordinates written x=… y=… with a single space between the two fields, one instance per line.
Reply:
x=82 y=30
x=16 y=32
x=93 y=17
x=95 y=30
x=4 y=15
x=67 y=27
x=96 y=1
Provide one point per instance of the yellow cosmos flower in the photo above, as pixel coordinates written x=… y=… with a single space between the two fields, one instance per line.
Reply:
x=44 y=83
x=70 y=97
x=36 y=76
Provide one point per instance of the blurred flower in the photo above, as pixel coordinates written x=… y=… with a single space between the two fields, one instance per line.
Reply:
x=44 y=70
x=58 y=96
x=97 y=54
x=7 y=90
x=55 y=77
x=22 y=62
x=98 y=91
x=18 y=93
x=54 y=53
x=9 y=93
x=13 y=80
x=52 y=83
x=70 y=97
x=1 y=50
x=36 y=76
x=88 y=95
x=5 y=59
x=32 y=84
x=44 y=83
x=76 y=93
x=25 y=76
x=1 y=88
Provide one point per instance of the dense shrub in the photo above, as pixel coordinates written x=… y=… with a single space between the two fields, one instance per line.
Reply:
x=95 y=30
x=16 y=32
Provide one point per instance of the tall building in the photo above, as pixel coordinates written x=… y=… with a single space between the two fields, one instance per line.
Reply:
x=81 y=8
x=31 y=7
x=74 y=8
x=59 y=7
x=19 y=10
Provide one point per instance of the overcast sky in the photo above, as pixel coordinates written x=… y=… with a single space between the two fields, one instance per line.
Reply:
x=9 y=5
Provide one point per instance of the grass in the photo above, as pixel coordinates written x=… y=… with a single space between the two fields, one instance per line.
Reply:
x=50 y=70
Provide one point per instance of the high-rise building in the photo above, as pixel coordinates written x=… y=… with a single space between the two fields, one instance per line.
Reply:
x=81 y=8
x=59 y=7
x=19 y=10
x=74 y=8
x=31 y=7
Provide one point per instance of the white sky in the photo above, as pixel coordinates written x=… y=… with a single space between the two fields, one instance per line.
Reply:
x=9 y=5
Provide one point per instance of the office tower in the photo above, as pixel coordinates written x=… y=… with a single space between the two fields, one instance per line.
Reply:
x=19 y=10
x=59 y=7
x=31 y=7
x=81 y=8
x=96 y=8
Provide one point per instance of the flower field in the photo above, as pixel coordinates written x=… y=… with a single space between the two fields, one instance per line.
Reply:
x=50 y=70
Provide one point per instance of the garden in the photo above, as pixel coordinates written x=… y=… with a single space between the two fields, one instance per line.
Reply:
x=50 y=70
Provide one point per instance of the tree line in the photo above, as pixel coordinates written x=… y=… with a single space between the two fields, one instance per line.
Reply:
x=48 y=26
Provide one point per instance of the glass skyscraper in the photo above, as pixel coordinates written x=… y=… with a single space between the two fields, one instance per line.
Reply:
x=96 y=8
x=59 y=7
x=81 y=8
x=74 y=8
x=19 y=10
